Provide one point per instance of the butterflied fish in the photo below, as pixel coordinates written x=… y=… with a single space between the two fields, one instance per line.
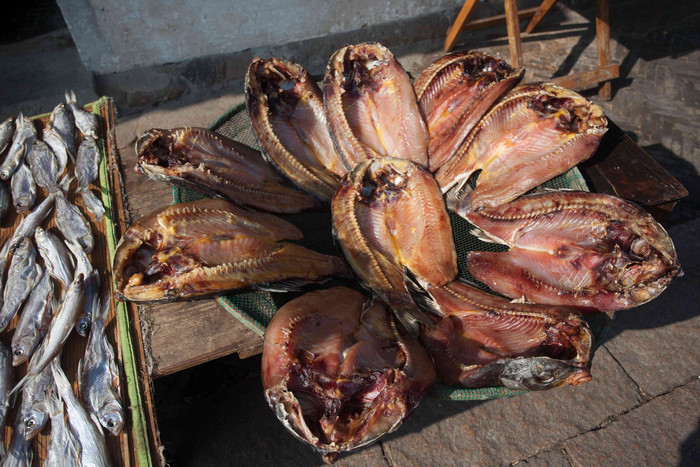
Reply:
x=208 y=162
x=389 y=217
x=371 y=106
x=286 y=109
x=580 y=249
x=22 y=275
x=72 y=224
x=534 y=133
x=211 y=246
x=22 y=140
x=85 y=121
x=99 y=375
x=337 y=371
x=455 y=92
x=93 y=449
x=34 y=320
x=44 y=166
x=23 y=189
x=7 y=129
x=485 y=340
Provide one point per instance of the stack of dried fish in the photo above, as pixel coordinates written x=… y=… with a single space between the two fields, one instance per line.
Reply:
x=54 y=288
x=385 y=155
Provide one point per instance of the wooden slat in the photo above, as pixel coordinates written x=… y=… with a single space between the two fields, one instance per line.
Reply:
x=602 y=27
x=495 y=20
x=513 y=24
x=456 y=28
x=588 y=79
x=539 y=14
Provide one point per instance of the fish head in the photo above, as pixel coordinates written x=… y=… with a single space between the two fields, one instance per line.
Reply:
x=21 y=349
x=82 y=327
x=112 y=418
x=540 y=373
x=34 y=421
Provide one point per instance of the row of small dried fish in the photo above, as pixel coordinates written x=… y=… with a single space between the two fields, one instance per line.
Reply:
x=55 y=289
x=341 y=369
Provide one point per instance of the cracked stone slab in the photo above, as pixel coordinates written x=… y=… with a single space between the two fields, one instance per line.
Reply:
x=552 y=458
x=663 y=431
x=504 y=431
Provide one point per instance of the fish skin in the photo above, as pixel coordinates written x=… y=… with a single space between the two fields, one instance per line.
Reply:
x=34 y=411
x=7 y=129
x=609 y=253
x=365 y=92
x=23 y=189
x=85 y=121
x=24 y=136
x=7 y=378
x=92 y=203
x=57 y=257
x=63 y=124
x=22 y=275
x=454 y=92
x=286 y=110
x=63 y=447
x=34 y=320
x=225 y=248
x=58 y=146
x=209 y=162
x=44 y=166
x=345 y=354
x=93 y=449
x=72 y=224
x=91 y=279
x=99 y=375
x=486 y=340
x=87 y=163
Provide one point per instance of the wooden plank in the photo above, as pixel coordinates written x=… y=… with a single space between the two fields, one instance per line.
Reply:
x=602 y=27
x=539 y=14
x=587 y=79
x=456 y=28
x=513 y=25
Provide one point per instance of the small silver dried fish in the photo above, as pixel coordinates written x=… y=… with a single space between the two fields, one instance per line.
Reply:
x=33 y=321
x=59 y=148
x=63 y=123
x=24 y=137
x=56 y=256
x=44 y=166
x=72 y=224
x=23 y=188
x=7 y=129
x=92 y=285
x=87 y=163
x=34 y=412
x=19 y=453
x=21 y=278
x=63 y=447
x=86 y=121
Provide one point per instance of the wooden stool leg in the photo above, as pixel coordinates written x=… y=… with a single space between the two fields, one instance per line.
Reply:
x=541 y=11
x=516 y=53
x=457 y=26
x=602 y=31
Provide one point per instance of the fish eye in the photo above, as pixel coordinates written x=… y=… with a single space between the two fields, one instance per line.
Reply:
x=17 y=352
x=30 y=423
x=111 y=424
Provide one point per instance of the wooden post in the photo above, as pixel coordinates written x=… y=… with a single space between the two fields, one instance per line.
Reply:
x=541 y=11
x=456 y=28
x=602 y=28
x=516 y=53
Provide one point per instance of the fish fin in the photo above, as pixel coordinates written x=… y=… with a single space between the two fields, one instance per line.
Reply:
x=290 y=285
x=96 y=421
x=521 y=300
x=610 y=313
x=421 y=297
x=486 y=237
x=457 y=199
x=18 y=387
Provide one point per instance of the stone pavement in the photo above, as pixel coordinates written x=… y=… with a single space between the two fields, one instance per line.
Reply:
x=643 y=405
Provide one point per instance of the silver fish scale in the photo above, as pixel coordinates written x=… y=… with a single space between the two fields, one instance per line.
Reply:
x=73 y=225
x=23 y=188
x=34 y=320
x=87 y=163
x=21 y=278
x=62 y=122
x=56 y=256
x=44 y=166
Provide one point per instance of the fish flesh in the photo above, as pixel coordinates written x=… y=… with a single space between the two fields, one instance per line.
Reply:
x=85 y=121
x=337 y=371
x=455 y=92
x=7 y=129
x=588 y=250
x=72 y=224
x=44 y=166
x=34 y=410
x=371 y=106
x=23 y=189
x=34 y=320
x=22 y=275
x=91 y=281
x=485 y=340
x=7 y=380
x=211 y=246
x=22 y=141
x=93 y=449
x=62 y=124
x=57 y=258
x=534 y=133
x=389 y=217
x=285 y=106
x=99 y=375
x=208 y=162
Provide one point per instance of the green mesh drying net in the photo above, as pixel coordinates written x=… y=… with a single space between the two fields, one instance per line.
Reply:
x=256 y=308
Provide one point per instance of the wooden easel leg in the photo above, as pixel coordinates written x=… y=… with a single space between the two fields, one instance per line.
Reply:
x=456 y=27
x=516 y=53
x=602 y=28
x=541 y=11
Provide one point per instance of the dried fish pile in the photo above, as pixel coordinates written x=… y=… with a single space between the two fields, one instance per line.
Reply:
x=49 y=288
x=341 y=368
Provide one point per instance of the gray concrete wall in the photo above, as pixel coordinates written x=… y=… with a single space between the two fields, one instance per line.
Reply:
x=127 y=34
